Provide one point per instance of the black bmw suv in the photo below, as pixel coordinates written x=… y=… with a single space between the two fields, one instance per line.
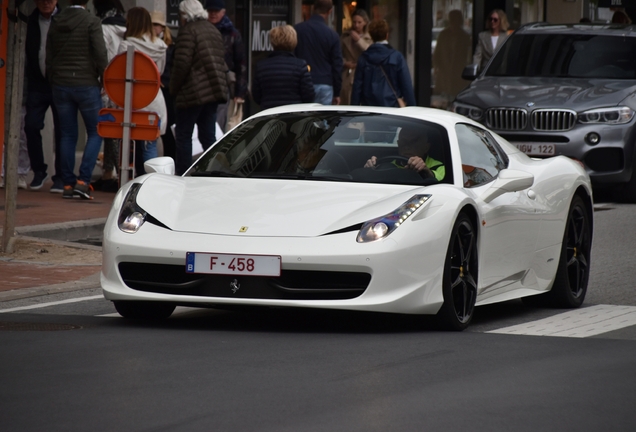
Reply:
x=564 y=90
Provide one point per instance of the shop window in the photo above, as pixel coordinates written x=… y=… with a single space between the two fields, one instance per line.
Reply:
x=451 y=47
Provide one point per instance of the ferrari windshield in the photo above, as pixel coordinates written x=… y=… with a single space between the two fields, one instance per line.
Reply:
x=566 y=55
x=329 y=146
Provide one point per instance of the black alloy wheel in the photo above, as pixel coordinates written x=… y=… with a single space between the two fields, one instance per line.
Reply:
x=573 y=271
x=570 y=284
x=460 y=276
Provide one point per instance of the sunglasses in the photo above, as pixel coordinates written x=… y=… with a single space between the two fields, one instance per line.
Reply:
x=494 y=19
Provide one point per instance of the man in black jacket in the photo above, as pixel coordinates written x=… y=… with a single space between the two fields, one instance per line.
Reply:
x=319 y=46
x=39 y=98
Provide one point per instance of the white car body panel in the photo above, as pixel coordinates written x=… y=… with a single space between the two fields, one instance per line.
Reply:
x=519 y=233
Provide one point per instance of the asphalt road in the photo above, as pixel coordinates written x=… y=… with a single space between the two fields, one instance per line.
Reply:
x=68 y=363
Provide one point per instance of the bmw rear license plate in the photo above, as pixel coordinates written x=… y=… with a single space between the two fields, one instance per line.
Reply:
x=537 y=149
x=227 y=264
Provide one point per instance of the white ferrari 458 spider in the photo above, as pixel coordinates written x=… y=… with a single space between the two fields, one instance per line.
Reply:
x=413 y=211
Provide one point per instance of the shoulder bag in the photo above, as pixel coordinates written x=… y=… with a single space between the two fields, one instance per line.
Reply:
x=401 y=101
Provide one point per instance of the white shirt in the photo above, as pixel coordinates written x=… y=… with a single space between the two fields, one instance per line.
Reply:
x=494 y=40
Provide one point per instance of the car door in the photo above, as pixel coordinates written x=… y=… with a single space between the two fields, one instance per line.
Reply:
x=507 y=240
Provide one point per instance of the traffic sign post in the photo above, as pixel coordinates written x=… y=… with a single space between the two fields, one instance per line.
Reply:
x=131 y=80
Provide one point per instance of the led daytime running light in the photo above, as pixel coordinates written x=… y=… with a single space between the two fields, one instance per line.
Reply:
x=383 y=226
x=614 y=115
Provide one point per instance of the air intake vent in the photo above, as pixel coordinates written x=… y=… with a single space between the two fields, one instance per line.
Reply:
x=553 y=120
x=507 y=119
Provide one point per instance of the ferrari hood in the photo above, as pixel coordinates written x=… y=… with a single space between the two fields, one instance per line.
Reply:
x=258 y=207
x=576 y=94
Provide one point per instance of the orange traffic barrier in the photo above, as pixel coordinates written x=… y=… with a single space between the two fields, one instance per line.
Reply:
x=144 y=124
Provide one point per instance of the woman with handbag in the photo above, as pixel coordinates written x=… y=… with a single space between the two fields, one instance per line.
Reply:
x=353 y=43
x=382 y=76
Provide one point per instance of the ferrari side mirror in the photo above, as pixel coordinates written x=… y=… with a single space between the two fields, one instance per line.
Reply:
x=161 y=165
x=508 y=181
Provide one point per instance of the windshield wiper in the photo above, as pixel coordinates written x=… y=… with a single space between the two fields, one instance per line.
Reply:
x=215 y=174
x=329 y=178
x=284 y=176
x=298 y=176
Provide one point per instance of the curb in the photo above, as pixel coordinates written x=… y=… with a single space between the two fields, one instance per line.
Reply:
x=85 y=283
x=64 y=234
x=65 y=231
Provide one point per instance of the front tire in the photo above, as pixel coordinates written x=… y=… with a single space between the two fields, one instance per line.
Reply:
x=147 y=310
x=460 y=276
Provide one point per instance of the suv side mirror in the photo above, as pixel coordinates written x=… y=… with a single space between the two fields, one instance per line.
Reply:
x=470 y=72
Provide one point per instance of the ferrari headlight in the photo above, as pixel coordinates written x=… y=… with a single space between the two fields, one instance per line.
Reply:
x=469 y=111
x=614 y=115
x=131 y=216
x=383 y=226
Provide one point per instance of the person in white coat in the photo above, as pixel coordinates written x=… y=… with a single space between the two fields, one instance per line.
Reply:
x=111 y=12
x=141 y=35
x=491 y=39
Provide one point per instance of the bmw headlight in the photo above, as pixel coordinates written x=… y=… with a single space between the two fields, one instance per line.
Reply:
x=381 y=227
x=469 y=111
x=131 y=216
x=614 y=115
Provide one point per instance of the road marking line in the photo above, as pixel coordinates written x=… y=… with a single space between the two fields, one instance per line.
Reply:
x=43 y=305
x=580 y=323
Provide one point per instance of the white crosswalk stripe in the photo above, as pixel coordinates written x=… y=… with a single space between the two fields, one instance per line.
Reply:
x=579 y=323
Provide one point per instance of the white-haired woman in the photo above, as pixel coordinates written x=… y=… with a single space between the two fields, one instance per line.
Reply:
x=197 y=80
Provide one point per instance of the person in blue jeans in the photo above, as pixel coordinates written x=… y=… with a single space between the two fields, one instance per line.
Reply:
x=75 y=60
x=319 y=46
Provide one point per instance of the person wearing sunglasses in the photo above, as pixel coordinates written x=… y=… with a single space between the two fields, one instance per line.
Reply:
x=490 y=40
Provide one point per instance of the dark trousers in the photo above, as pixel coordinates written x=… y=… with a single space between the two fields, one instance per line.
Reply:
x=204 y=116
x=37 y=103
x=169 y=143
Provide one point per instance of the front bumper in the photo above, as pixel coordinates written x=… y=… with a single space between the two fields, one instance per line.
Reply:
x=611 y=161
x=379 y=276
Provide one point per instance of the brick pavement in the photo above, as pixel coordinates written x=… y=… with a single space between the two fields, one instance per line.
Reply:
x=61 y=266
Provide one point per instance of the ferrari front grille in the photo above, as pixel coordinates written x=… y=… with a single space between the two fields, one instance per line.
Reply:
x=290 y=285
x=553 y=120
x=507 y=119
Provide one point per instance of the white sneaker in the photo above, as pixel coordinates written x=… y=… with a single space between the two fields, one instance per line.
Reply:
x=22 y=184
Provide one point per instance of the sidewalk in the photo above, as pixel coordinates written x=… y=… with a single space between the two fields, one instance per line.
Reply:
x=40 y=265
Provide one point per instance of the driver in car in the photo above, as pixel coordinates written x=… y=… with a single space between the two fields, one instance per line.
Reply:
x=413 y=147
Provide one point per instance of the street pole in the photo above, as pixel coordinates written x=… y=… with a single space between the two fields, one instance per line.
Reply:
x=15 y=72
x=126 y=168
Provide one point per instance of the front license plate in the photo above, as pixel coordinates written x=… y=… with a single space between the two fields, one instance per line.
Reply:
x=226 y=264
x=537 y=149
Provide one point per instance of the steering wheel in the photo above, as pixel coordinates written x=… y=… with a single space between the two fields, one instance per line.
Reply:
x=386 y=162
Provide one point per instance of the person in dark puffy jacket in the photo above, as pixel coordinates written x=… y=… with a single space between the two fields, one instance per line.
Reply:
x=197 y=80
x=282 y=78
x=382 y=75
x=75 y=61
